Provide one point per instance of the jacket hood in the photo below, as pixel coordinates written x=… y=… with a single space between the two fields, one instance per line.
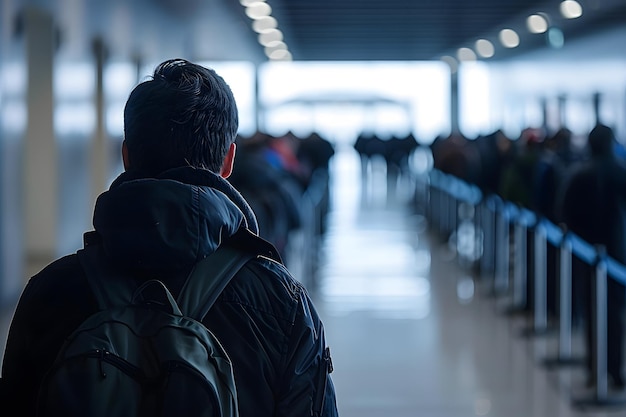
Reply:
x=169 y=222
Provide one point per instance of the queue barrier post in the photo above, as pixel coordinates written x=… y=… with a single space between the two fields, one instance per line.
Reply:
x=487 y=225
x=520 y=264
x=564 y=353
x=502 y=251
x=523 y=221
x=540 y=297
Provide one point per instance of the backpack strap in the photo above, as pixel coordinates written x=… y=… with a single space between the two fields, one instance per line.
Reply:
x=203 y=286
x=208 y=279
x=211 y=275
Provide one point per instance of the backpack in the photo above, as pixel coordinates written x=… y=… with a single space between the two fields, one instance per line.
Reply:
x=144 y=353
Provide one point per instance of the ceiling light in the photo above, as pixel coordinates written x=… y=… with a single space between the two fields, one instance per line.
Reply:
x=536 y=23
x=556 y=38
x=280 y=55
x=246 y=3
x=571 y=9
x=454 y=65
x=466 y=54
x=509 y=38
x=275 y=46
x=484 y=48
x=264 y=24
x=270 y=36
x=258 y=10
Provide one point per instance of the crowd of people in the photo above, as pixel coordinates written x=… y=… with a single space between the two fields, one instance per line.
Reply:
x=285 y=179
x=393 y=151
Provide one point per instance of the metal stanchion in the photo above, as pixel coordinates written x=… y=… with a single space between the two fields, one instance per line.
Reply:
x=540 y=319
x=453 y=207
x=565 y=304
x=519 y=269
x=488 y=251
x=564 y=355
x=445 y=211
x=540 y=302
x=600 y=334
x=501 y=278
x=433 y=212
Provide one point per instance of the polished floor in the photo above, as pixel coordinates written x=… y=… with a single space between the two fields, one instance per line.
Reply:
x=412 y=333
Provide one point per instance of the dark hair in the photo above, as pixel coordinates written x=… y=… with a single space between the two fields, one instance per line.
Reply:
x=184 y=115
x=601 y=140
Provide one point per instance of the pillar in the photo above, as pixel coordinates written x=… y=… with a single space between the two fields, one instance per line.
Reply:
x=454 y=101
x=40 y=189
x=562 y=110
x=100 y=154
x=596 y=108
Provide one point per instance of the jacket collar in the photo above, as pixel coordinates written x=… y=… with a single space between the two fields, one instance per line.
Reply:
x=171 y=221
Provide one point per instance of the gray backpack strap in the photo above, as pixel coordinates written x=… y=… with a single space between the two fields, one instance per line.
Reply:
x=204 y=285
x=208 y=279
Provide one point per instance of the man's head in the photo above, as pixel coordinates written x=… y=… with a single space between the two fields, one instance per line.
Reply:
x=184 y=115
x=601 y=140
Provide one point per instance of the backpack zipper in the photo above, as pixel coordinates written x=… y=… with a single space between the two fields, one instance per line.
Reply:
x=105 y=356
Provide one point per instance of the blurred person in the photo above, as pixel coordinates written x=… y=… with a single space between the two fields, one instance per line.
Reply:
x=495 y=150
x=555 y=156
x=458 y=156
x=554 y=159
x=516 y=183
x=272 y=190
x=171 y=207
x=592 y=205
x=397 y=151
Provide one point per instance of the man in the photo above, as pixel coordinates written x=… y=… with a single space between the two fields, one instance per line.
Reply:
x=170 y=208
x=592 y=205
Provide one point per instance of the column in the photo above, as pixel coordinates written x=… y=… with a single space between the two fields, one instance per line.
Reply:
x=546 y=115
x=454 y=101
x=100 y=145
x=40 y=152
x=596 y=107
x=562 y=100
x=260 y=112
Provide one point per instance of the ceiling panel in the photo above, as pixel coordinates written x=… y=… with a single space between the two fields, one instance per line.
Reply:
x=315 y=30
x=422 y=29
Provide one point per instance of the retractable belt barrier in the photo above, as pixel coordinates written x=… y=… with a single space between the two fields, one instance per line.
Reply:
x=494 y=221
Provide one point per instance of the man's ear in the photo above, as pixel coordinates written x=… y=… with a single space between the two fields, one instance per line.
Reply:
x=229 y=161
x=125 y=157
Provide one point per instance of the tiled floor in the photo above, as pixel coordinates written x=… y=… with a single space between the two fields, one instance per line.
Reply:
x=414 y=334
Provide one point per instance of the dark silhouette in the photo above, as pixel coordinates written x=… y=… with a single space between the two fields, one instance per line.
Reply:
x=592 y=205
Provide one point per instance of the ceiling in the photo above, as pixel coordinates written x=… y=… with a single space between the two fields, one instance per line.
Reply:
x=314 y=30
x=425 y=29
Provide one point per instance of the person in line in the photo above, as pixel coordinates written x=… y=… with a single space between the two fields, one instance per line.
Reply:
x=593 y=205
x=171 y=207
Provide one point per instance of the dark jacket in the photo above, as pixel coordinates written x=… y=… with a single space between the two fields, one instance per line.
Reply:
x=593 y=203
x=159 y=228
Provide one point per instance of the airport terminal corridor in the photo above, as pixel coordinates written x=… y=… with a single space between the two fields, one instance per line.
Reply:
x=335 y=100
x=411 y=331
